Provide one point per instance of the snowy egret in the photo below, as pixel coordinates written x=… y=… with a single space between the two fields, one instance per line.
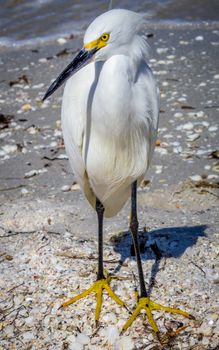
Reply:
x=110 y=118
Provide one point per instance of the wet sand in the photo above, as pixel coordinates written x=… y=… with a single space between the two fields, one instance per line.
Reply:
x=48 y=230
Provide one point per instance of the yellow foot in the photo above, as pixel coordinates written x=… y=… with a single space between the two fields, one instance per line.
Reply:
x=148 y=306
x=97 y=288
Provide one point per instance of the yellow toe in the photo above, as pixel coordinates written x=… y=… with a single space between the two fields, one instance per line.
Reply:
x=97 y=288
x=148 y=306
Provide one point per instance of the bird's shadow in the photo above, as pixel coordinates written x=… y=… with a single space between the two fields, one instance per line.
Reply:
x=157 y=245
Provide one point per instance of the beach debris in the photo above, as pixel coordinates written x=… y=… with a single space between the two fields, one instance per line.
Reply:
x=61 y=41
x=213 y=128
x=42 y=60
x=34 y=172
x=65 y=188
x=75 y=187
x=63 y=52
x=26 y=107
x=22 y=80
x=215 y=154
x=5 y=120
x=187 y=107
x=6 y=149
x=178 y=114
x=38 y=86
x=215 y=167
x=199 y=38
x=196 y=178
x=161 y=50
x=144 y=183
x=192 y=137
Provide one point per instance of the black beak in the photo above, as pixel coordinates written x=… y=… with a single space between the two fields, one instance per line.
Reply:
x=83 y=58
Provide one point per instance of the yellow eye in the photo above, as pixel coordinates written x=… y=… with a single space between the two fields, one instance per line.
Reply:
x=105 y=37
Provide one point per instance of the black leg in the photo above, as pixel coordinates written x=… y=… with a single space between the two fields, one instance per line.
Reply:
x=100 y=211
x=134 y=231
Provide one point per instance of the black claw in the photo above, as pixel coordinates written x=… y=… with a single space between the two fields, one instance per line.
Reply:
x=122 y=332
x=129 y=311
x=60 y=307
x=191 y=317
x=163 y=338
x=159 y=336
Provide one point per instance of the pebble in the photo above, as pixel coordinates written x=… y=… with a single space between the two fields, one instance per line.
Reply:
x=53 y=144
x=65 y=188
x=42 y=60
x=61 y=41
x=183 y=42
x=159 y=169
x=188 y=126
x=9 y=149
x=182 y=99
x=192 y=137
x=62 y=156
x=26 y=107
x=162 y=151
x=206 y=124
x=213 y=128
x=32 y=130
x=75 y=187
x=215 y=167
x=212 y=176
x=31 y=173
x=161 y=50
x=24 y=191
x=38 y=86
x=178 y=115
x=199 y=38
x=196 y=177
x=57 y=133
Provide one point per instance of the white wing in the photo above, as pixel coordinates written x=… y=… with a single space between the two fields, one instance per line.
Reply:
x=109 y=119
x=74 y=121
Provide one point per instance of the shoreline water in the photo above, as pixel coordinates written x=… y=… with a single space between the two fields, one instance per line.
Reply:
x=151 y=25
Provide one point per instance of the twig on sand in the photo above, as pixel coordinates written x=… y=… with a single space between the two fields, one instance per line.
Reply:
x=191 y=262
x=15 y=233
x=11 y=188
x=10 y=290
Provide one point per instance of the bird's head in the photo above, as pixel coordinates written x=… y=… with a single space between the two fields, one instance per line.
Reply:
x=114 y=32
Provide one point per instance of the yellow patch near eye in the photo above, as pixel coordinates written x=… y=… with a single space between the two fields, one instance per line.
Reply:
x=98 y=43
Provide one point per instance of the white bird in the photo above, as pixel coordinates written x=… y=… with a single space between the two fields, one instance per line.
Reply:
x=110 y=114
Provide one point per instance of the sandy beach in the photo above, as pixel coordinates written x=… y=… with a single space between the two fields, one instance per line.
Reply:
x=48 y=244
